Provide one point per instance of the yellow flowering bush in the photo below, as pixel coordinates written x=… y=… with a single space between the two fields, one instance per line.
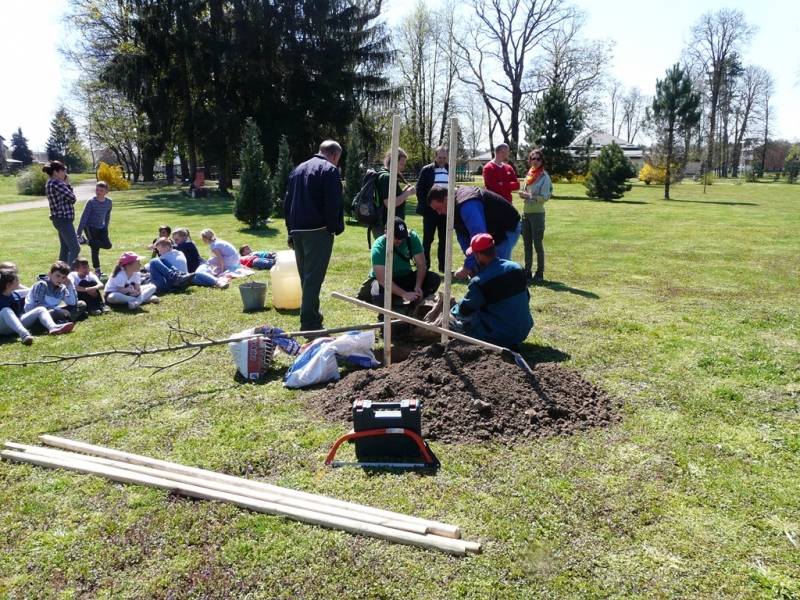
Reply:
x=113 y=176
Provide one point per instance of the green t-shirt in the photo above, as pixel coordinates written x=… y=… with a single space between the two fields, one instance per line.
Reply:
x=399 y=266
x=382 y=190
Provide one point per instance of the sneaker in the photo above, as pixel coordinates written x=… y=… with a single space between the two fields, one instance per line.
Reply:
x=528 y=274
x=95 y=312
x=183 y=280
x=26 y=340
x=134 y=305
x=99 y=273
x=105 y=309
x=223 y=284
x=538 y=276
x=153 y=300
x=59 y=329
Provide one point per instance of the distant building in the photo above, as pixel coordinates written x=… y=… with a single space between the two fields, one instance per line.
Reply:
x=601 y=139
x=3 y=151
x=478 y=161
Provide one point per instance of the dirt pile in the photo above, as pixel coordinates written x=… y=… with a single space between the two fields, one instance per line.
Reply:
x=472 y=395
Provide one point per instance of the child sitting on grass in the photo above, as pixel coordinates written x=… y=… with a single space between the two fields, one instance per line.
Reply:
x=88 y=286
x=256 y=260
x=12 y=318
x=164 y=231
x=169 y=275
x=225 y=256
x=54 y=289
x=125 y=284
x=185 y=257
x=9 y=266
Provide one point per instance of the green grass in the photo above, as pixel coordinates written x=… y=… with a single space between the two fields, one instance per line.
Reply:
x=685 y=310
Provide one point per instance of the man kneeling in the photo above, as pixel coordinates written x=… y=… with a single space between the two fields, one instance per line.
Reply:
x=407 y=285
x=495 y=308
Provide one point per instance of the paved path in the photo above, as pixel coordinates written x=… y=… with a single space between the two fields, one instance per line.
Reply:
x=83 y=191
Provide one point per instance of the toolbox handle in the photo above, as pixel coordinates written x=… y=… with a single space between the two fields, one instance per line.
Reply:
x=412 y=403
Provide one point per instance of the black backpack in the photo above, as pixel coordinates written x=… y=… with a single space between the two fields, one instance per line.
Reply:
x=364 y=208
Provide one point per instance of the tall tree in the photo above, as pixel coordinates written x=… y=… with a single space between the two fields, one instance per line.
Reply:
x=20 y=150
x=713 y=40
x=615 y=91
x=499 y=48
x=746 y=110
x=552 y=126
x=634 y=104
x=767 y=91
x=254 y=200
x=675 y=109
x=64 y=144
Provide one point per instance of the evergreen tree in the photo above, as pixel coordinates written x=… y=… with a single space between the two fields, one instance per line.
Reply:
x=280 y=183
x=675 y=111
x=552 y=126
x=64 y=143
x=21 y=151
x=608 y=174
x=254 y=200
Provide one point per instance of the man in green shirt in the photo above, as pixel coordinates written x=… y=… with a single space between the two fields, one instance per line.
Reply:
x=408 y=285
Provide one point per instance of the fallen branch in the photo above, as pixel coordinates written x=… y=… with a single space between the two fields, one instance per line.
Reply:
x=137 y=352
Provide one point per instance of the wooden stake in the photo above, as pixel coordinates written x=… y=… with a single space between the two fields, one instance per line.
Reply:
x=389 y=262
x=451 y=203
x=224 y=487
x=434 y=527
x=456 y=547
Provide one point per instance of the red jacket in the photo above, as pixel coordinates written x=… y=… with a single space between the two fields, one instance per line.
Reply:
x=500 y=180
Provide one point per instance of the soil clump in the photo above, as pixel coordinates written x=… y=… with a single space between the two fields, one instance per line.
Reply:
x=472 y=395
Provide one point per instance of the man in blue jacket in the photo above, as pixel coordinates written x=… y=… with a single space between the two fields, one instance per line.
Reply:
x=495 y=308
x=314 y=209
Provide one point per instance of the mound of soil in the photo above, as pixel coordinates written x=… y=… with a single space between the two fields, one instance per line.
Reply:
x=472 y=395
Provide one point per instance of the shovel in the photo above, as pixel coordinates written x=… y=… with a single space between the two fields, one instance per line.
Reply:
x=456 y=336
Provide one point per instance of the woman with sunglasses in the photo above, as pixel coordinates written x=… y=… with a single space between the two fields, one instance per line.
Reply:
x=537 y=190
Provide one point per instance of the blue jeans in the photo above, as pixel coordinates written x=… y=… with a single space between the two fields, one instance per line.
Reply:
x=68 y=237
x=505 y=248
x=204 y=279
x=162 y=275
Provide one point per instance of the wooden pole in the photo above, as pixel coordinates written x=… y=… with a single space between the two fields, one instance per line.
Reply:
x=389 y=263
x=273 y=497
x=451 y=202
x=435 y=527
x=456 y=547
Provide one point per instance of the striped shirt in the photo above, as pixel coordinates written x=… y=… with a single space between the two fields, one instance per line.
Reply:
x=61 y=199
x=95 y=214
x=440 y=176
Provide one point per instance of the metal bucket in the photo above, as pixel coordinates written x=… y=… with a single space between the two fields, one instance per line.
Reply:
x=254 y=295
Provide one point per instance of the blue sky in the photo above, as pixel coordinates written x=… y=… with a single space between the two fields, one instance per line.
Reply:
x=649 y=38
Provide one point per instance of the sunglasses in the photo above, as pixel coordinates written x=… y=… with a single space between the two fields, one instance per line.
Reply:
x=539 y=158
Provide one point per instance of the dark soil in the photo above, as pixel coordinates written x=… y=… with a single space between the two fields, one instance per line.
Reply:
x=472 y=395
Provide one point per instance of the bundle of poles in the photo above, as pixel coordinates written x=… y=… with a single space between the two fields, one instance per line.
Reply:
x=257 y=496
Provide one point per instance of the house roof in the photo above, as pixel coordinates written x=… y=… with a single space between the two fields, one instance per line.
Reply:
x=601 y=139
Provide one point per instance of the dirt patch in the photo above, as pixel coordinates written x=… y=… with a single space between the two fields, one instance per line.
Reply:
x=472 y=395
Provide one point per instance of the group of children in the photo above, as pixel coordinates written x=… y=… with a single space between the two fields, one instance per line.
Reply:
x=63 y=296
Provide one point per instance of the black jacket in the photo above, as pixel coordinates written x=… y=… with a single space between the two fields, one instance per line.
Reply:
x=424 y=185
x=314 y=197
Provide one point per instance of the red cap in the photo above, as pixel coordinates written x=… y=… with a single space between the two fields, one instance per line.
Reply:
x=480 y=242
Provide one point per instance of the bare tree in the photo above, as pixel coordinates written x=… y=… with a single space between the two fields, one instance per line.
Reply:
x=615 y=91
x=713 y=40
x=747 y=110
x=767 y=91
x=497 y=50
x=634 y=104
x=472 y=119
x=577 y=66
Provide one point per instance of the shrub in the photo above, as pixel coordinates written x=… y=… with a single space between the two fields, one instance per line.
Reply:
x=31 y=181
x=254 y=196
x=609 y=173
x=705 y=178
x=113 y=176
x=658 y=175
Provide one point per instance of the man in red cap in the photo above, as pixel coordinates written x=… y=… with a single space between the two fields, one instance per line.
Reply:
x=495 y=308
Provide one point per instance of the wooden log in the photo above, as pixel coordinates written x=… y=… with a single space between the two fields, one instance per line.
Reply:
x=225 y=487
x=432 y=542
x=434 y=527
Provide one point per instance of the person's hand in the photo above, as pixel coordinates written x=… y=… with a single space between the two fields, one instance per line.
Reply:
x=418 y=292
x=462 y=273
x=92 y=292
x=410 y=296
x=66 y=178
x=524 y=195
x=411 y=190
x=290 y=242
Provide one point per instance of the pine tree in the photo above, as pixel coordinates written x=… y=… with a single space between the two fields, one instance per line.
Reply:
x=254 y=200
x=552 y=126
x=21 y=151
x=280 y=183
x=64 y=143
x=675 y=111
x=608 y=174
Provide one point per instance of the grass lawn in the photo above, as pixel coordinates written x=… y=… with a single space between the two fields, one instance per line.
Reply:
x=9 y=193
x=685 y=310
